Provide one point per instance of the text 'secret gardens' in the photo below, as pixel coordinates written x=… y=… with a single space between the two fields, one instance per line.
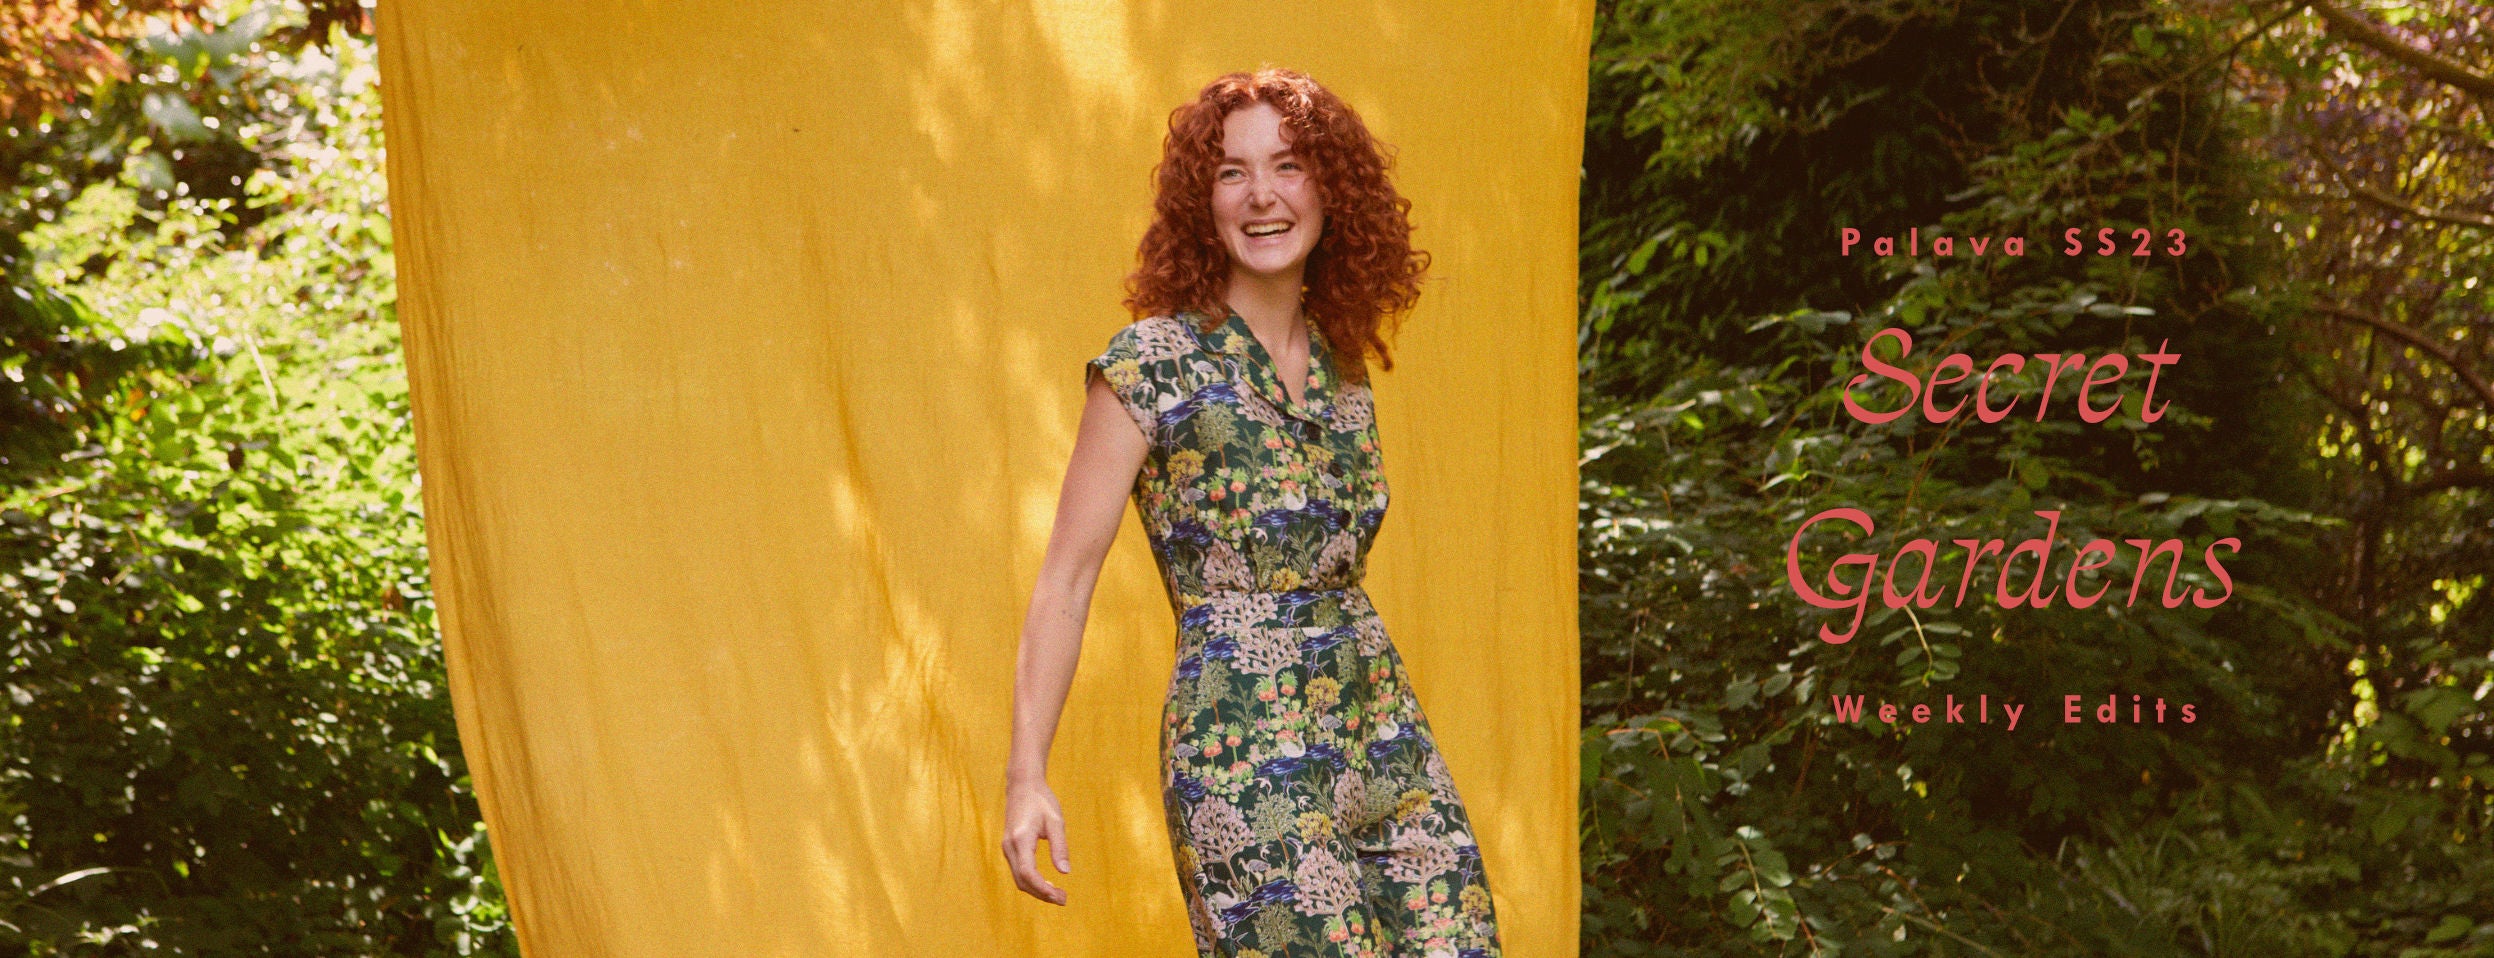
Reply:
x=1937 y=396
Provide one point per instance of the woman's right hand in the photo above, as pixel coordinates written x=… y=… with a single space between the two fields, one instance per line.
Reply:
x=1108 y=455
x=1031 y=814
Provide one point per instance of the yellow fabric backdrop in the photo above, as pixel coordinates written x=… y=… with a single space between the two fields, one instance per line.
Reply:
x=746 y=343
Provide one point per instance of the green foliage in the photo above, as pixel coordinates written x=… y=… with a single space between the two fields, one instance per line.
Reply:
x=227 y=730
x=2398 y=340
x=1725 y=803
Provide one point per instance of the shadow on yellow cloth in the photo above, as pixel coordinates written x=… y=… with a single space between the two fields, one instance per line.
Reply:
x=746 y=345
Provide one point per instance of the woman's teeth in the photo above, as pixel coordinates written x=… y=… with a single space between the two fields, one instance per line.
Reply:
x=1267 y=229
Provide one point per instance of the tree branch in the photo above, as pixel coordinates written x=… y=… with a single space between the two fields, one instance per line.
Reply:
x=2441 y=216
x=2437 y=350
x=2463 y=477
x=2385 y=200
x=2348 y=26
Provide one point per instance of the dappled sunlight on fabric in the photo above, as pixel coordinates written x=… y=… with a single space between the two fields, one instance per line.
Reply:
x=1093 y=47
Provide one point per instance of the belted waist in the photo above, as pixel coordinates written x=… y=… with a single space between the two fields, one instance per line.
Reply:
x=1234 y=597
x=1277 y=609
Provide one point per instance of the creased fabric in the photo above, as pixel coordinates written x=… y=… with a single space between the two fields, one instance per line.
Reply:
x=739 y=340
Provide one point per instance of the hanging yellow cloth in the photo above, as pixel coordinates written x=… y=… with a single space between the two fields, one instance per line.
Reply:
x=746 y=348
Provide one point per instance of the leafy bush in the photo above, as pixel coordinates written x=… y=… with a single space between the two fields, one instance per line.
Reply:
x=1727 y=809
x=228 y=731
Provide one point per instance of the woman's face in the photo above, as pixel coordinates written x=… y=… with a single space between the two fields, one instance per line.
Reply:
x=1264 y=200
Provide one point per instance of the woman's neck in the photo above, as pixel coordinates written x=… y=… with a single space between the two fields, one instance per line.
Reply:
x=1269 y=304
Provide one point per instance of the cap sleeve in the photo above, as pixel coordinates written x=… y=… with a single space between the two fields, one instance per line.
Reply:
x=1144 y=386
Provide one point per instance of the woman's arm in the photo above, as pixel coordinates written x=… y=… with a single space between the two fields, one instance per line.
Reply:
x=1108 y=451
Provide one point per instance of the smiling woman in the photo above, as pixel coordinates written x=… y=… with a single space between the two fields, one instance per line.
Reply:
x=1309 y=809
x=1359 y=281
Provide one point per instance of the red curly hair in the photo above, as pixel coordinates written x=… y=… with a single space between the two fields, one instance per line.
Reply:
x=1363 y=274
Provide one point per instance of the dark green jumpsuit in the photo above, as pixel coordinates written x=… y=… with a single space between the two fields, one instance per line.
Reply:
x=1308 y=808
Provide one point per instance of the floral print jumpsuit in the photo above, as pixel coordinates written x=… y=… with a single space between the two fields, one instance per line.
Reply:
x=1308 y=808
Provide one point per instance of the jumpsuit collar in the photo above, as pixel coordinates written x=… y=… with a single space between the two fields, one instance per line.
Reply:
x=1232 y=337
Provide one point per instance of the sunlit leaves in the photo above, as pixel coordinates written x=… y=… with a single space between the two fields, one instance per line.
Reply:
x=224 y=678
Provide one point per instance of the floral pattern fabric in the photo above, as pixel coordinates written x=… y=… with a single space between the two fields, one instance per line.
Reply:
x=1309 y=811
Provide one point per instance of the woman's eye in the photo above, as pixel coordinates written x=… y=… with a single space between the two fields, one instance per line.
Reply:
x=1231 y=175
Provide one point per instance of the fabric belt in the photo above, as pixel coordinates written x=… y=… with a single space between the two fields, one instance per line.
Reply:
x=1280 y=608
